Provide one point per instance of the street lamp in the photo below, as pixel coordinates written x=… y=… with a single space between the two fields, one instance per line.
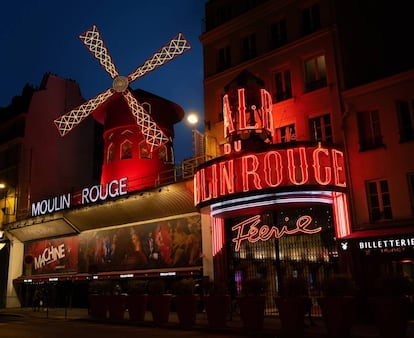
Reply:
x=192 y=119
x=198 y=139
x=2 y=235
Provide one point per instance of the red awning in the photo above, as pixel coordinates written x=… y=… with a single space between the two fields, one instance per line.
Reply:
x=385 y=232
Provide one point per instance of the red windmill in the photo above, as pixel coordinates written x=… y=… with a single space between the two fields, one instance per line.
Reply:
x=153 y=134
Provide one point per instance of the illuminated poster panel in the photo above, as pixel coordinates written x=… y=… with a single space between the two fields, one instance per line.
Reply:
x=162 y=244
x=53 y=255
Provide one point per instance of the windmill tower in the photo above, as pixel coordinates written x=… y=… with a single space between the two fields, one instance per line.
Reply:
x=137 y=134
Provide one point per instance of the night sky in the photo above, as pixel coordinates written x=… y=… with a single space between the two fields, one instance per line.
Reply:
x=43 y=36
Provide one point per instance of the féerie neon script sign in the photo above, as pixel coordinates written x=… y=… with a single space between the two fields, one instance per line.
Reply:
x=250 y=231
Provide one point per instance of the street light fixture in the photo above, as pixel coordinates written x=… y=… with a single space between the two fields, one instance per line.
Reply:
x=193 y=119
x=2 y=235
x=198 y=139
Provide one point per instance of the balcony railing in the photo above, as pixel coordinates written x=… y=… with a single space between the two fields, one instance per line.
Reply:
x=178 y=173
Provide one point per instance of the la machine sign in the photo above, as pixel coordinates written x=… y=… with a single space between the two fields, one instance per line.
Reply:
x=89 y=195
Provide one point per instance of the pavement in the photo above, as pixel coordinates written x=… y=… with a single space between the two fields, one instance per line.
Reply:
x=271 y=325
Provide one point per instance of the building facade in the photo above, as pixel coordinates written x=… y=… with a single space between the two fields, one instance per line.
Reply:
x=308 y=141
x=311 y=58
x=378 y=126
x=133 y=218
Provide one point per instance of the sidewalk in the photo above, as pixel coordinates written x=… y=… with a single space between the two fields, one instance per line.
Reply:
x=271 y=326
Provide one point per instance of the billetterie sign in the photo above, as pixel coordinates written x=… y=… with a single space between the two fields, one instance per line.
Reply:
x=96 y=193
x=404 y=242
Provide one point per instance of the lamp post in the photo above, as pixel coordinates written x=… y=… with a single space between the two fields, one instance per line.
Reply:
x=199 y=146
x=2 y=235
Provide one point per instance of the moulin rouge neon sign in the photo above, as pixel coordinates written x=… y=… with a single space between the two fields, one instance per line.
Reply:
x=89 y=195
x=299 y=166
x=249 y=230
x=248 y=117
x=242 y=172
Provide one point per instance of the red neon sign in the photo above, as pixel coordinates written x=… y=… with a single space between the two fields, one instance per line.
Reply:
x=299 y=166
x=249 y=230
x=249 y=117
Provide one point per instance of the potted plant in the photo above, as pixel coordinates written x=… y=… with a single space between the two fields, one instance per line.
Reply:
x=391 y=305
x=293 y=303
x=338 y=305
x=98 y=298
x=137 y=299
x=159 y=301
x=217 y=304
x=117 y=303
x=185 y=301
x=252 y=303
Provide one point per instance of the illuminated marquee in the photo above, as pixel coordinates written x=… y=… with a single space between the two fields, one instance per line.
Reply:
x=299 y=166
x=93 y=194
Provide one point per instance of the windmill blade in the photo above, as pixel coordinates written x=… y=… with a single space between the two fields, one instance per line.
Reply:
x=177 y=46
x=93 y=41
x=153 y=135
x=71 y=119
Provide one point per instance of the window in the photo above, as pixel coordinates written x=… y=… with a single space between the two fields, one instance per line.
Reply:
x=379 y=201
x=283 y=86
x=278 y=33
x=411 y=190
x=110 y=153
x=224 y=60
x=406 y=120
x=144 y=150
x=315 y=73
x=127 y=133
x=126 y=150
x=311 y=19
x=223 y=14
x=248 y=47
x=162 y=153
x=369 y=130
x=321 y=128
x=286 y=133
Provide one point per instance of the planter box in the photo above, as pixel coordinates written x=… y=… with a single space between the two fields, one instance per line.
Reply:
x=338 y=314
x=160 y=307
x=292 y=312
x=252 y=311
x=186 y=307
x=116 y=306
x=217 y=309
x=98 y=306
x=391 y=316
x=137 y=306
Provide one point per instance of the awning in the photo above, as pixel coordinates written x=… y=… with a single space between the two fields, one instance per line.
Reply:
x=160 y=202
x=194 y=271
x=384 y=232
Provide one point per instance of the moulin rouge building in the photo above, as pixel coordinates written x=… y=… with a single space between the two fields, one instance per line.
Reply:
x=137 y=220
x=275 y=209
